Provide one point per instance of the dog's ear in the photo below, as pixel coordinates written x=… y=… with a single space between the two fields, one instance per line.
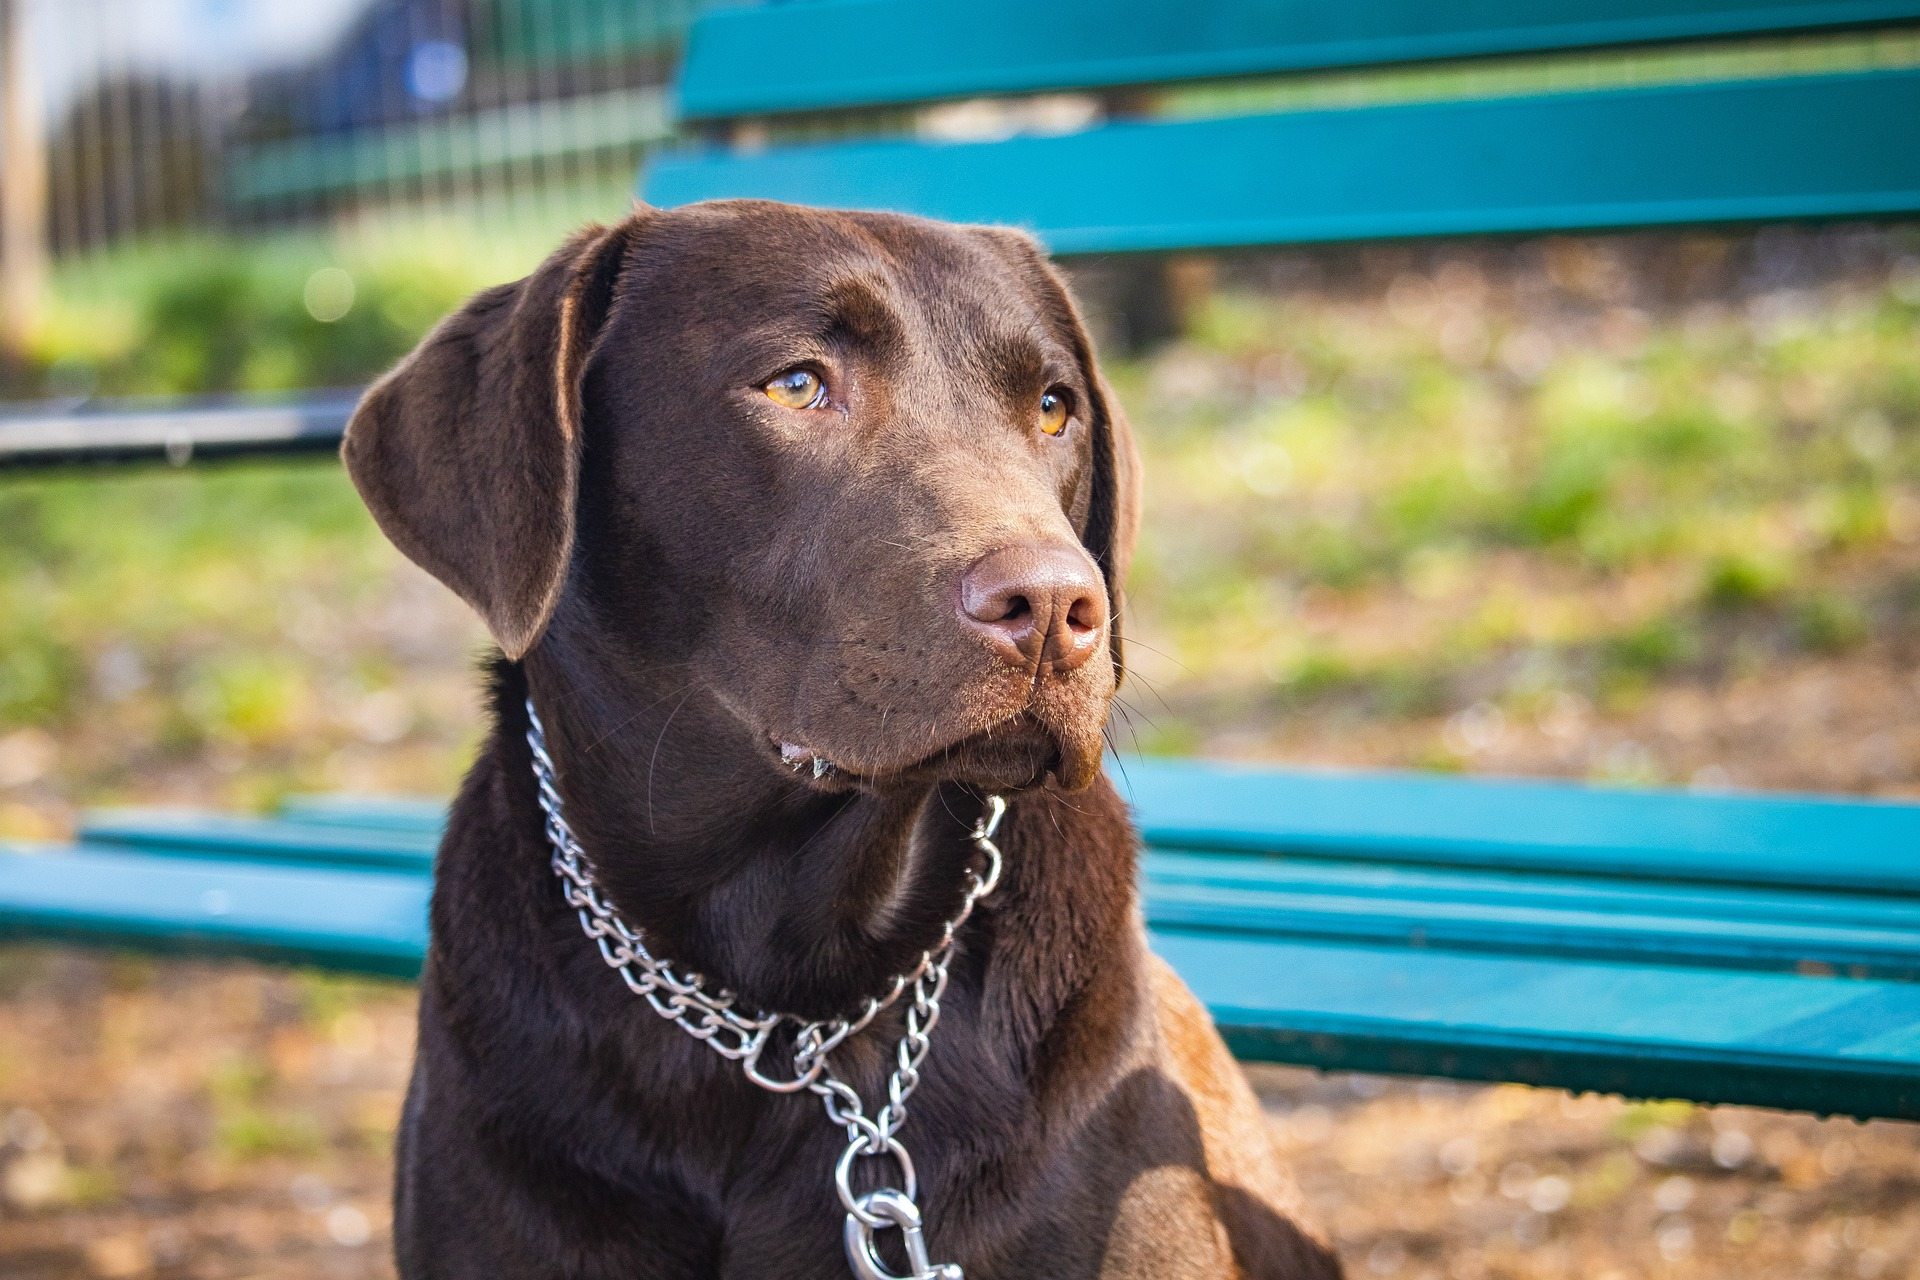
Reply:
x=468 y=453
x=1113 y=514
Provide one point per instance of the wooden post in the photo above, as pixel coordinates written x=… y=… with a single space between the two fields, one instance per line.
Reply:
x=23 y=183
x=1147 y=303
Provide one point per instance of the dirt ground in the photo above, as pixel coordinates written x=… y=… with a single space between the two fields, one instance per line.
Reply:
x=222 y=1121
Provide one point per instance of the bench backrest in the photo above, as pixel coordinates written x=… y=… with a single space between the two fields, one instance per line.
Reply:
x=1767 y=140
x=841 y=54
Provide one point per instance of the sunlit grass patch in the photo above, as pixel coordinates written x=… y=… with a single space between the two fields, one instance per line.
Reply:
x=248 y=617
x=1399 y=504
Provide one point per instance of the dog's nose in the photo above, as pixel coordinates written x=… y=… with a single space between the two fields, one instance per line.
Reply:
x=1036 y=605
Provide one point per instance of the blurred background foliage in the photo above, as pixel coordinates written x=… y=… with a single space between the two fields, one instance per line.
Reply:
x=1529 y=482
x=1468 y=505
x=1638 y=508
x=296 y=310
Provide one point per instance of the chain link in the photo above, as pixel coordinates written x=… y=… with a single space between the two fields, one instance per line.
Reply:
x=714 y=1018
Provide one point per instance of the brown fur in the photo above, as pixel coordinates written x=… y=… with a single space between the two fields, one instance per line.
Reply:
x=687 y=575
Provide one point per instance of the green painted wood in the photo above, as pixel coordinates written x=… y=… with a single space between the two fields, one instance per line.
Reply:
x=1530 y=827
x=1548 y=827
x=1640 y=1029
x=358 y=920
x=414 y=815
x=1525 y=910
x=1515 y=910
x=1741 y=151
x=775 y=59
x=1858 y=935
x=1621 y=896
x=194 y=834
x=1776 y=1040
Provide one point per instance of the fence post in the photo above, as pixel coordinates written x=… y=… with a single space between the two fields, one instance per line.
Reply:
x=23 y=183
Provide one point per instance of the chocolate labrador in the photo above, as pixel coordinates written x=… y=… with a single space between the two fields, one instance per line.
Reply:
x=802 y=533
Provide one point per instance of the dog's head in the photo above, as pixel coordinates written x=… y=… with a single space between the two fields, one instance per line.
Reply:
x=856 y=473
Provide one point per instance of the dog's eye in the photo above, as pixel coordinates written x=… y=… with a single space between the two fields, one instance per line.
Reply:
x=1055 y=408
x=797 y=389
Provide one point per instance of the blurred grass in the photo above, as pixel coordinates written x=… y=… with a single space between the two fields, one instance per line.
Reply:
x=1450 y=493
x=226 y=629
x=207 y=314
x=226 y=633
x=1580 y=70
x=1491 y=485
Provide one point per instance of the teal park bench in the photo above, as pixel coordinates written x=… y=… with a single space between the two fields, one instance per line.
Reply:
x=1722 y=948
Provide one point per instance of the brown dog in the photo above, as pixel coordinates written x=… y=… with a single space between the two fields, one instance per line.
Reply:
x=742 y=487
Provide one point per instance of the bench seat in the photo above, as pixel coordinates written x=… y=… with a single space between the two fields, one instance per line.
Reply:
x=1748 y=949
x=1388 y=895
x=1642 y=1029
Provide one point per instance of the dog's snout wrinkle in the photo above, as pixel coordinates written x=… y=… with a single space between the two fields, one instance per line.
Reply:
x=1039 y=607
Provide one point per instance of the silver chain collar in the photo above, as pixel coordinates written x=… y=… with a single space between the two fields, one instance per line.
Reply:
x=715 y=1018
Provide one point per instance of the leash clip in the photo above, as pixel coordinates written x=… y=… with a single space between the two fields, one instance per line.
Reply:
x=894 y=1210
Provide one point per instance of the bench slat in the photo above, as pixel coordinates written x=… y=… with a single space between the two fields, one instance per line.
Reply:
x=1843 y=844
x=1559 y=828
x=360 y=921
x=191 y=833
x=1812 y=147
x=414 y=814
x=1539 y=916
x=1529 y=826
x=1644 y=1030
x=759 y=60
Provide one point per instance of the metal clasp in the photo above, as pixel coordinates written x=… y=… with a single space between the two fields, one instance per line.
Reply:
x=896 y=1210
x=750 y=1064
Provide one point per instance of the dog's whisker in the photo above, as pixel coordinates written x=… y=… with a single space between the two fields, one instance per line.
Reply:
x=1132 y=643
x=1152 y=687
x=818 y=831
x=1129 y=711
x=1133 y=732
x=654 y=759
x=1119 y=762
x=595 y=745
